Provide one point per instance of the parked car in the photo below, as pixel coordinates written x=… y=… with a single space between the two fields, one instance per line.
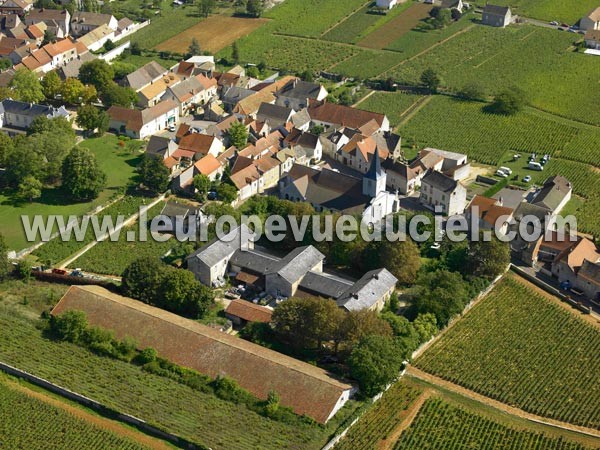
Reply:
x=212 y=195
x=554 y=22
x=527 y=179
x=172 y=128
x=501 y=174
x=516 y=156
x=506 y=170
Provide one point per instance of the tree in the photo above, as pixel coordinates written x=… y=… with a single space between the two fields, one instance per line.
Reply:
x=154 y=174
x=81 y=176
x=442 y=293
x=194 y=48
x=426 y=326
x=356 y=325
x=142 y=278
x=235 y=52
x=455 y=14
x=442 y=18
x=5 y=63
x=24 y=161
x=69 y=326
x=430 y=80
x=205 y=7
x=49 y=37
x=42 y=124
x=119 y=95
x=51 y=85
x=27 y=86
x=509 y=101
x=30 y=188
x=6 y=147
x=487 y=259
x=91 y=118
x=73 y=91
x=402 y=259
x=98 y=73
x=472 y=91
x=135 y=48
x=202 y=185
x=308 y=76
x=122 y=69
x=375 y=362
x=226 y=192
x=5 y=266
x=345 y=98
x=238 y=135
x=255 y=8
x=109 y=45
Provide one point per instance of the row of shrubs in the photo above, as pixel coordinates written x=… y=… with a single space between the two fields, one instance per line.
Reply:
x=72 y=326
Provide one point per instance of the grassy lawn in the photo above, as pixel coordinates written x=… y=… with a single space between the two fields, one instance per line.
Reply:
x=118 y=163
x=197 y=416
x=521 y=348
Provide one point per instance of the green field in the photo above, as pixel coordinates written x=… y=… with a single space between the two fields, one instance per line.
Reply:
x=113 y=257
x=519 y=348
x=29 y=423
x=392 y=104
x=197 y=416
x=381 y=419
x=440 y=425
x=119 y=165
x=549 y=10
x=539 y=61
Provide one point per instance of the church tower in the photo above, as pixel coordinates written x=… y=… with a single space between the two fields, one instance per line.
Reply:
x=375 y=179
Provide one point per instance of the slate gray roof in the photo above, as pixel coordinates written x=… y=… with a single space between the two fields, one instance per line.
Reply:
x=324 y=285
x=301 y=118
x=439 y=181
x=190 y=86
x=375 y=171
x=527 y=209
x=308 y=140
x=254 y=261
x=300 y=90
x=297 y=263
x=144 y=75
x=33 y=109
x=176 y=209
x=553 y=192
x=218 y=249
x=90 y=18
x=495 y=10
x=235 y=94
x=590 y=271
x=367 y=291
x=71 y=69
x=157 y=145
x=275 y=114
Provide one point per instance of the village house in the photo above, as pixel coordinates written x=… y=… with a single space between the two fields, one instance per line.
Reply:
x=16 y=115
x=296 y=94
x=207 y=165
x=17 y=7
x=51 y=56
x=578 y=266
x=591 y=21
x=358 y=152
x=490 y=213
x=453 y=4
x=83 y=22
x=197 y=145
x=191 y=92
x=145 y=75
x=96 y=38
x=332 y=115
x=139 y=124
x=154 y=92
x=592 y=39
x=176 y=217
x=441 y=191
x=274 y=115
x=306 y=389
x=57 y=21
x=496 y=16
x=554 y=194
x=241 y=312
x=248 y=107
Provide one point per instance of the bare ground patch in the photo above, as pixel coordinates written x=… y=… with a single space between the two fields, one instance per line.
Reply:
x=396 y=28
x=213 y=34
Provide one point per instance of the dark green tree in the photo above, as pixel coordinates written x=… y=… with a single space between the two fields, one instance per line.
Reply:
x=194 y=48
x=29 y=189
x=430 y=80
x=402 y=259
x=235 y=52
x=154 y=174
x=255 y=8
x=142 y=279
x=91 y=119
x=509 y=101
x=205 y=8
x=441 y=293
x=98 y=73
x=5 y=265
x=375 y=362
x=488 y=259
x=227 y=193
x=202 y=185
x=69 y=326
x=238 y=135
x=26 y=86
x=81 y=176
x=52 y=85
x=119 y=96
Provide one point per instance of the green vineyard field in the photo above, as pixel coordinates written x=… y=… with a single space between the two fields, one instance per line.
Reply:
x=440 y=425
x=519 y=348
x=28 y=423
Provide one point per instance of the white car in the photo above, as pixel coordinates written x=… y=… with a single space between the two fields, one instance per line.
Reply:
x=501 y=174
x=506 y=170
x=172 y=128
x=527 y=179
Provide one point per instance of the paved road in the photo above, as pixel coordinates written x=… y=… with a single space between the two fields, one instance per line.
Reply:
x=543 y=24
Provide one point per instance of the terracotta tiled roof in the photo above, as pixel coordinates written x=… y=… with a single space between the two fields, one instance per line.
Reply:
x=250 y=104
x=207 y=165
x=576 y=254
x=304 y=388
x=249 y=311
x=342 y=115
x=196 y=142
